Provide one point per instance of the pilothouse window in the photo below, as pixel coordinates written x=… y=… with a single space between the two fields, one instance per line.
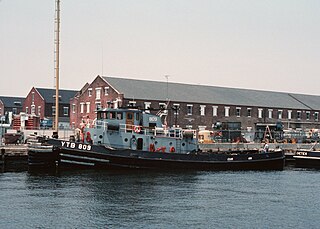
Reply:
x=112 y=115
x=129 y=116
x=119 y=116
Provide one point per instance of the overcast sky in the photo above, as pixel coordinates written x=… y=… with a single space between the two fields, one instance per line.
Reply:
x=266 y=45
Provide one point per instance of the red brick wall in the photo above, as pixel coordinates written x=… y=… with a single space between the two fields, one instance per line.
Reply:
x=183 y=119
x=38 y=101
x=84 y=98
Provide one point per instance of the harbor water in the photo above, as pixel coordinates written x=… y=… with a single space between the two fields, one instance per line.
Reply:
x=144 y=199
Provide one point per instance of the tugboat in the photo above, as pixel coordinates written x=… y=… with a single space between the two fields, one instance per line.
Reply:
x=308 y=158
x=132 y=138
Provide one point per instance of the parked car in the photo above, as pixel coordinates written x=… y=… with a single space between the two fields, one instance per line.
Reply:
x=46 y=123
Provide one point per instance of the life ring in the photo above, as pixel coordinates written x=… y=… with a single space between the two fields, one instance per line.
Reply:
x=161 y=149
x=137 y=129
x=172 y=149
x=151 y=147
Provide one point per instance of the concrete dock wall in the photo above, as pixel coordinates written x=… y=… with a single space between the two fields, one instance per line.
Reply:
x=285 y=146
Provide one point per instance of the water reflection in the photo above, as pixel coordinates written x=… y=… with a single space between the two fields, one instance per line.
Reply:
x=136 y=199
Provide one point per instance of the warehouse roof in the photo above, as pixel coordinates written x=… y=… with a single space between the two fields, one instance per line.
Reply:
x=155 y=90
x=12 y=101
x=49 y=95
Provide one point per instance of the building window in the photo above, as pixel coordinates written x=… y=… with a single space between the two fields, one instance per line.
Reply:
x=115 y=104
x=260 y=113
x=53 y=110
x=238 y=111
x=147 y=106
x=73 y=107
x=189 y=109
x=106 y=90
x=279 y=114
x=289 y=114
x=14 y=110
x=176 y=108
x=39 y=110
x=27 y=110
x=98 y=93
x=249 y=111
x=132 y=103
x=108 y=104
x=88 y=107
x=81 y=107
x=202 y=110
x=308 y=115
x=32 y=97
x=98 y=106
x=33 y=109
x=316 y=116
x=90 y=92
x=163 y=108
x=226 y=111
x=214 y=110
x=17 y=103
x=270 y=111
x=65 y=111
x=299 y=115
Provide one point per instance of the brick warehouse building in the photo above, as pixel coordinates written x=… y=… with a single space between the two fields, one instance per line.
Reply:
x=41 y=102
x=198 y=106
x=10 y=104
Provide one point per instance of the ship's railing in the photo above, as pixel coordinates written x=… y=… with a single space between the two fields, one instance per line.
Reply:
x=156 y=131
x=100 y=124
x=173 y=132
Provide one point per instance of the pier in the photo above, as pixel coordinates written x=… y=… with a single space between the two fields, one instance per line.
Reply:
x=14 y=157
x=285 y=146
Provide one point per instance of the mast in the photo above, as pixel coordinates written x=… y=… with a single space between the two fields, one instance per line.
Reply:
x=57 y=62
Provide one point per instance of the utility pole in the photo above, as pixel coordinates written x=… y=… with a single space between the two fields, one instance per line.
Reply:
x=57 y=62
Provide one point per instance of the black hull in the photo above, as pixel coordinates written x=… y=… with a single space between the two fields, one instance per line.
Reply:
x=307 y=159
x=98 y=156
x=42 y=157
x=308 y=163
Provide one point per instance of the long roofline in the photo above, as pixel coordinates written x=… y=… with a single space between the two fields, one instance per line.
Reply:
x=205 y=85
x=154 y=90
x=104 y=79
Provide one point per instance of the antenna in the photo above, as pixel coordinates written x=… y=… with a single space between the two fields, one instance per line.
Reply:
x=102 y=60
x=167 y=77
x=57 y=61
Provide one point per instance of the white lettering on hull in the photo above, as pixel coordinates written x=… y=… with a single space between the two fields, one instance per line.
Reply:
x=73 y=145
